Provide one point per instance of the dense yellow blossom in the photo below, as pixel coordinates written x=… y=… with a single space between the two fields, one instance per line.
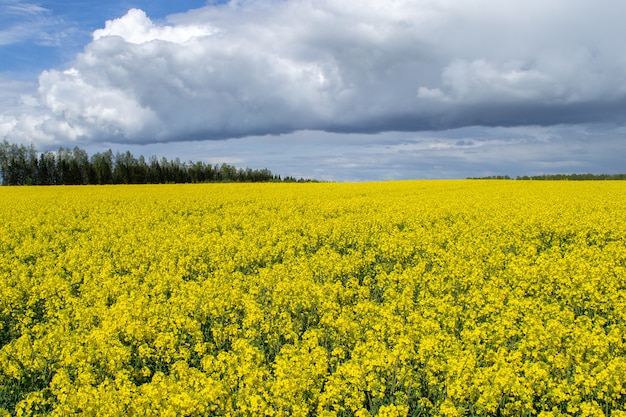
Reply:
x=417 y=298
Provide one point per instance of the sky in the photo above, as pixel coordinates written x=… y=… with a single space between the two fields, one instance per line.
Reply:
x=338 y=90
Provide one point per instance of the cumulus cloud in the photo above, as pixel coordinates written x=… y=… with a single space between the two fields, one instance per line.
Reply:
x=136 y=27
x=252 y=67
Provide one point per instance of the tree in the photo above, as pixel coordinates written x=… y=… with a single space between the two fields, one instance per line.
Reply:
x=4 y=160
x=20 y=165
x=155 y=172
x=102 y=168
x=48 y=174
x=80 y=166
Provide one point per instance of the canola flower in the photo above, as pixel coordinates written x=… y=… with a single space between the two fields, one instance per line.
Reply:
x=416 y=298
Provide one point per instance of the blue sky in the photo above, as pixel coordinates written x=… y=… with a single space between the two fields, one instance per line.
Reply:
x=48 y=34
x=340 y=90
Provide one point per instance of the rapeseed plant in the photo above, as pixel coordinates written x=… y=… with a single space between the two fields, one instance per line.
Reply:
x=443 y=298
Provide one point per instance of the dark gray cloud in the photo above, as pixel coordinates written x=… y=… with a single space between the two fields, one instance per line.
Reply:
x=270 y=67
x=456 y=153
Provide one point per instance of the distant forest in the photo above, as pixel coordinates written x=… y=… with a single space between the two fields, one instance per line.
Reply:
x=557 y=177
x=24 y=165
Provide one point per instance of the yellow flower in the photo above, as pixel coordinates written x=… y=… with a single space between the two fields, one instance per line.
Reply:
x=430 y=297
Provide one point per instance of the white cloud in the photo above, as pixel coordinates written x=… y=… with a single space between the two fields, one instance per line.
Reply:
x=136 y=27
x=78 y=104
x=269 y=67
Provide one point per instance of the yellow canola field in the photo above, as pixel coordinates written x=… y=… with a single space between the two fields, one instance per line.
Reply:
x=417 y=298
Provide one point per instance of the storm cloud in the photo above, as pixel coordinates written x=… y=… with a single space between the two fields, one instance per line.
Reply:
x=253 y=67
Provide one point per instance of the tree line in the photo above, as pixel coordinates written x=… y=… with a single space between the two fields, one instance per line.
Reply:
x=574 y=177
x=556 y=177
x=24 y=165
